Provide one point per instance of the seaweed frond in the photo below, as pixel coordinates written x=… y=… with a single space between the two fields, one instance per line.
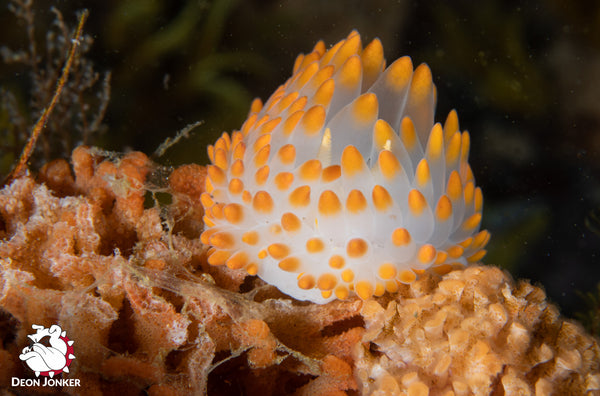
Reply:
x=589 y=316
x=66 y=97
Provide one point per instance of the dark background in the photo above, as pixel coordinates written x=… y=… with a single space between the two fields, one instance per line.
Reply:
x=524 y=77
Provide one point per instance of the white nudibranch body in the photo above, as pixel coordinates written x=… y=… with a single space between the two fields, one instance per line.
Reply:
x=341 y=183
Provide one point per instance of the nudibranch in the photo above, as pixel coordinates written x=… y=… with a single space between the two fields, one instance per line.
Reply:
x=341 y=183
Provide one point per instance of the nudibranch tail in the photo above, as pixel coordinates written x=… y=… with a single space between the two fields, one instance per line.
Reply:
x=341 y=183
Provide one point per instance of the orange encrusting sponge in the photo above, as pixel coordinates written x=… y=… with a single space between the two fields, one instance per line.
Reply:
x=341 y=183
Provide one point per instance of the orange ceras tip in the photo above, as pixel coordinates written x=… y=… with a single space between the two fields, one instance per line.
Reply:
x=313 y=120
x=314 y=245
x=287 y=154
x=416 y=202
x=372 y=60
x=327 y=281
x=284 y=180
x=341 y=185
x=352 y=162
x=300 y=196
x=329 y=204
x=290 y=222
x=356 y=202
x=262 y=202
x=237 y=261
x=388 y=164
x=262 y=175
x=331 y=173
x=278 y=250
x=310 y=170
x=382 y=200
x=350 y=73
x=306 y=282
x=443 y=210
x=422 y=175
x=365 y=108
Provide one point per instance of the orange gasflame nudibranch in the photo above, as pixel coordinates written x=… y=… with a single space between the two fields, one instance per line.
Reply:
x=341 y=183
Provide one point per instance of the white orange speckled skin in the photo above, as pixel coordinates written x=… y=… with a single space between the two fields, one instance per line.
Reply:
x=341 y=183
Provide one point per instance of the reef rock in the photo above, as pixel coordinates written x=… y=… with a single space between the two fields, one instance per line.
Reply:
x=86 y=247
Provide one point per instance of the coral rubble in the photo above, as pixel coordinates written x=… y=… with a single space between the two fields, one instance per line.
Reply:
x=81 y=247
